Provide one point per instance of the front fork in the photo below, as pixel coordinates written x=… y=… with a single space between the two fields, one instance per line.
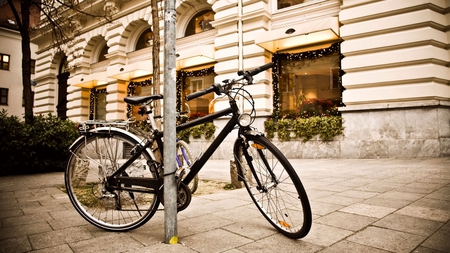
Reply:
x=241 y=143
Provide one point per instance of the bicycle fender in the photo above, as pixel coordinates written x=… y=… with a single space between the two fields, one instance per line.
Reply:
x=107 y=130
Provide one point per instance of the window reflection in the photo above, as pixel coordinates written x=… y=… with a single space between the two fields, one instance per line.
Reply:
x=200 y=23
x=145 y=40
x=309 y=81
x=103 y=52
x=199 y=106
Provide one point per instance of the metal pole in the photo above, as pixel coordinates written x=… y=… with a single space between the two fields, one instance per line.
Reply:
x=170 y=187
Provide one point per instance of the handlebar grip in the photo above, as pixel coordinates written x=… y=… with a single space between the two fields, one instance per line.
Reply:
x=260 y=69
x=200 y=93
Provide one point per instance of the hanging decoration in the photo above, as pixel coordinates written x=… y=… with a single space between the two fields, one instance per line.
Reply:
x=276 y=70
x=92 y=101
x=181 y=80
x=131 y=92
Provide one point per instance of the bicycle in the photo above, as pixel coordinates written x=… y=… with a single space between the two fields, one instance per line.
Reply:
x=183 y=156
x=119 y=194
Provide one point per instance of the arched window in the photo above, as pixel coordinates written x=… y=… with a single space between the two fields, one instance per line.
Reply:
x=145 y=39
x=288 y=3
x=200 y=22
x=103 y=52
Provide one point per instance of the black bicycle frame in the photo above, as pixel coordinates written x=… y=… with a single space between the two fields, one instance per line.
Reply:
x=154 y=184
x=198 y=164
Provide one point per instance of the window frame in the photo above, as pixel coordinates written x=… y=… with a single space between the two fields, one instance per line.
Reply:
x=2 y=96
x=5 y=63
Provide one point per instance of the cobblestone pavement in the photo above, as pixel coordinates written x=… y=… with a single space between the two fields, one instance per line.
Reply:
x=359 y=205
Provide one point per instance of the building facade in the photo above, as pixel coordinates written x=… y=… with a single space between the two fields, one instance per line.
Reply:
x=383 y=64
x=11 y=87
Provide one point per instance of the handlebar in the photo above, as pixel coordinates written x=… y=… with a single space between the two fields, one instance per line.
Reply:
x=217 y=88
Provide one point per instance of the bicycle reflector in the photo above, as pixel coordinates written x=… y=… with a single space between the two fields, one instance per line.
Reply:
x=245 y=120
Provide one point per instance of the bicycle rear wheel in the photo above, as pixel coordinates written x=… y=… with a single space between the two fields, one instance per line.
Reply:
x=274 y=186
x=93 y=159
x=185 y=160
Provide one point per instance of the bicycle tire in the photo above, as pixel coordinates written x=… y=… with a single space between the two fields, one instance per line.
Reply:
x=283 y=203
x=95 y=156
x=185 y=157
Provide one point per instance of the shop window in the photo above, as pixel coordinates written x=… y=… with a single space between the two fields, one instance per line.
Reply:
x=145 y=40
x=309 y=83
x=103 y=53
x=4 y=61
x=98 y=104
x=3 y=96
x=200 y=23
x=138 y=88
x=288 y=3
x=192 y=81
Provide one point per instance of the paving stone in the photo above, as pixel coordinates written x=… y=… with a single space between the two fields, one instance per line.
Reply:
x=380 y=187
x=201 y=224
x=16 y=244
x=347 y=246
x=339 y=200
x=402 y=195
x=26 y=219
x=58 y=237
x=29 y=229
x=440 y=240
x=425 y=213
x=213 y=241
x=346 y=221
x=63 y=248
x=253 y=228
x=409 y=224
x=10 y=213
x=368 y=210
x=442 y=194
x=163 y=247
x=320 y=208
x=387 y=202
x=324 y=235
x=358 y=194
x=315 y=193
x=279 y=243
x=421 y=187
x=386 y=239
x=118 y=242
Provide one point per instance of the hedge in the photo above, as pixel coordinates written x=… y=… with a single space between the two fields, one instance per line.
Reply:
x=34 y=148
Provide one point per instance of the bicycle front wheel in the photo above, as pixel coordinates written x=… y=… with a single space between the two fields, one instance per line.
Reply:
x=95 y=157
x=273 y=185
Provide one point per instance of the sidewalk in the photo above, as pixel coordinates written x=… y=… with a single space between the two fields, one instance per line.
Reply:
x=385 y=205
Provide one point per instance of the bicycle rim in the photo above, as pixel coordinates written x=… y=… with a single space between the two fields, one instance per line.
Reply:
x=92 y=160
x=280 y=195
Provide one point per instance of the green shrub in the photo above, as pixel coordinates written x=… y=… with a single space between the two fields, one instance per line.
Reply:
x=305 y=128
x=38 y=147
x=206 y=129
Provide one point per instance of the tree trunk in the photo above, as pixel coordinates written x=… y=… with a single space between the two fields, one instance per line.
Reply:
x=22 y=17
x=26 y=61
x=155 y=52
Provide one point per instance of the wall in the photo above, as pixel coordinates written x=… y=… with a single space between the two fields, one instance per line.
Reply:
x=10 y=43
x=397 y=78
